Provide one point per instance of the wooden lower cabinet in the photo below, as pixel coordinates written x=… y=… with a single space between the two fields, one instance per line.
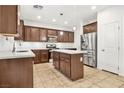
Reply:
x=56 y=62
x=44 y=55
x=65 y=64
x=37 y=56
x=69 y=64
x=41 y=56
x=16 y=73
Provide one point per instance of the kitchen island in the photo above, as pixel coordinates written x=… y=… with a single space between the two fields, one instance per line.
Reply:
x=16 y=69
x=69 y=62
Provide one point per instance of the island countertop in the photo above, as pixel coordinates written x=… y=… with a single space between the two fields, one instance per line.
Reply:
x=70 y=51
x=17 y=54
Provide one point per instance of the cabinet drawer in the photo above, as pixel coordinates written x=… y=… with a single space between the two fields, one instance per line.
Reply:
x=62 y=58
x=65 y=56
x=67 y=60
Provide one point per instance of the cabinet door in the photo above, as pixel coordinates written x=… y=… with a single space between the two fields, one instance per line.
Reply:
x=27 y=32
x=35 y=34
x=44 y=55
x=8 y=19
x=37 y=56
x=60 y=36
x=52 y=32
x=43 y=35
x=93 y=27
x=86 y=29
x=67 y=67
x=54 y=59
x=90 y=28
x=1 y=29
x=71 y=36
x=56 y=62
x=66 y=37
x=62 y=65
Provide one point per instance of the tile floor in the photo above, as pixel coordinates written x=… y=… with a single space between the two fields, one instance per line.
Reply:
x=45 y=76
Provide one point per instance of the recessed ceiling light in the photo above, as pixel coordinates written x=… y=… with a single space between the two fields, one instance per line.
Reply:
x=93 y=7
x=74 y=28
x=66 y=22
x=39 y=17
x=54 y=20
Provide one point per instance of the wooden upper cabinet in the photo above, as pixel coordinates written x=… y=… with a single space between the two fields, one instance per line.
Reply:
x=8 y=19
x=71 y=37
x=60 y=36
x=27 y=33
x=35 y=34
x=66 y=36
x=52 y=33
x=43 y=35
x=93 y=27
x=90 y=28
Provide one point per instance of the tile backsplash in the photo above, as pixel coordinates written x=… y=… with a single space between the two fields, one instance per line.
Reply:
x=6 y=44
x=36 y=45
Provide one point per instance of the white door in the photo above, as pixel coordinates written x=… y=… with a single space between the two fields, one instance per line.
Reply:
x=110 y=47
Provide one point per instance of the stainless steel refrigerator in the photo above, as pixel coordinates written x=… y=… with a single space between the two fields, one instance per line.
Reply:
x=89 y=43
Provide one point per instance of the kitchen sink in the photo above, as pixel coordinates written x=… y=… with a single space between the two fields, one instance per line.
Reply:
x=22 y=51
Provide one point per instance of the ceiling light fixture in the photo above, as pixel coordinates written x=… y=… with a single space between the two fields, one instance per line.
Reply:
x=39 y=17
x=54 y=20
x=93 y=7
x=66 y=22
x=74 y=28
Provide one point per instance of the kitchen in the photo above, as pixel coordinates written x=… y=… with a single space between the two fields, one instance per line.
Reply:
x=62 y=49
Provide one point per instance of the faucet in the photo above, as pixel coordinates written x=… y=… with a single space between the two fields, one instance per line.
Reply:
x=14 y=48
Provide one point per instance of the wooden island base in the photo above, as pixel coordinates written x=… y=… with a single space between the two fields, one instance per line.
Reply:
x=71 y=65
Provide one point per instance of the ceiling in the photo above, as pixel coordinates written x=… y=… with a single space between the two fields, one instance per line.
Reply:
x=73 y=14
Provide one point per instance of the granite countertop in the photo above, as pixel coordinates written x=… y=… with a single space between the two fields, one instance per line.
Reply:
x=17 y=54
x=70 y=51
x=39 y=49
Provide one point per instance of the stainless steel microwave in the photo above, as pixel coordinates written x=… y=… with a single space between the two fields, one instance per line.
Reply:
x=52 y=39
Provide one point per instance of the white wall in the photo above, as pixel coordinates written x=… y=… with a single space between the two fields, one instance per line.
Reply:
x=108 y=15
x=78 y=32
x=39 y=24
x=38 y=45
x=6 y=44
